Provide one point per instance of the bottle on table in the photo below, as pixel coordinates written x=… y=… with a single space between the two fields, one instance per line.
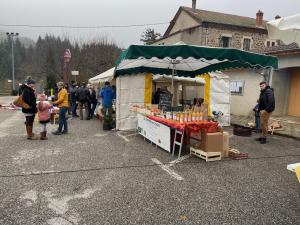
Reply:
x=201 y=116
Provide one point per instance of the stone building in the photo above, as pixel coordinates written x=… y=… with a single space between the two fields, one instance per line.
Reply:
x=206 y=28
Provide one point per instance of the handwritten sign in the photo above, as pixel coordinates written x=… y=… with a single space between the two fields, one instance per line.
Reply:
x=165 y=101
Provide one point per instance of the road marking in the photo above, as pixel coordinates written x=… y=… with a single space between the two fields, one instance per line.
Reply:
x=100 y=135
x=172 y=163
x=167 y=169
x=123 y=137
x=130 y=135
x=30 y=197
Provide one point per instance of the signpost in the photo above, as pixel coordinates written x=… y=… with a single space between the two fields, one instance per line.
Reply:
x=75 y=73
x=67 y=58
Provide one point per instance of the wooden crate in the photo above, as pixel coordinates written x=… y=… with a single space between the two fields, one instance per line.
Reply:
x=207 y=156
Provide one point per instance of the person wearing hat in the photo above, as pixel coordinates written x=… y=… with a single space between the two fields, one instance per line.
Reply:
x=44 y=115
x=63 y=104
x=29 y=97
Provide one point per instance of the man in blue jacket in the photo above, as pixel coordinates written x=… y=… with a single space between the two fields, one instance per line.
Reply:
x=107 y=95
x=266 y=107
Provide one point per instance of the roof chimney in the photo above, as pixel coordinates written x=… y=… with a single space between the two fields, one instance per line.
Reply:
x=194 y=4
x=277 y=17
x=259 y=18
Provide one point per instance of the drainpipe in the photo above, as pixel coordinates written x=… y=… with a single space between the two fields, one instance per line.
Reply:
x=194 y=3
x=271 y=72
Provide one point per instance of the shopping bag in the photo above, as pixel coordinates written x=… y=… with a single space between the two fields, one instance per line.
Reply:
x=20 y=103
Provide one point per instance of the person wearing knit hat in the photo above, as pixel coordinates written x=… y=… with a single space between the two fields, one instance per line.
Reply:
x=44 y=115
x=63 y=104
x=29 y=97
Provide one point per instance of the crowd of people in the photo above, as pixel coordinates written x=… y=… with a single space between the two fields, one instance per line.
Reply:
x=82 y=96
x=69 y=100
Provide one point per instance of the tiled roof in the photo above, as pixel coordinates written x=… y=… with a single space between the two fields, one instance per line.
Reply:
x=281 y=49
x=223 y=18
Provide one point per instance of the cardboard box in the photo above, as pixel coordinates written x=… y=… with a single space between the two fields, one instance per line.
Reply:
x=212 y=142
x=220 y=129
x=225 y=151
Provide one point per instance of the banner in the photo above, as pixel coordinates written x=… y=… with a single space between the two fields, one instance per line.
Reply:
x=157 y=133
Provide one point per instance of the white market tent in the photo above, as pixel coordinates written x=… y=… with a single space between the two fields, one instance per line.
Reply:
x=103 y=77
x=185 y=80
x=136 y=65
x=286 y=29
x=216 y=91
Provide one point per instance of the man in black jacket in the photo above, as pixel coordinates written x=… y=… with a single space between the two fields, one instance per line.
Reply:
x=93 y=100
x=73 y=98
x=83 y=97
x=266 y=107
x=28 y=94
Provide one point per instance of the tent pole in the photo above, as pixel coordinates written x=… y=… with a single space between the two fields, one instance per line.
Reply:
x=173 y=73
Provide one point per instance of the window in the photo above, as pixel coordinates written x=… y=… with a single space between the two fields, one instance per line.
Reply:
x=225 y=42
x=247 y=44
x=237 y=87
x=270 y=43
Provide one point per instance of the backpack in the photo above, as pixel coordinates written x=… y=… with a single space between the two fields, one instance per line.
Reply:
x=82 y=97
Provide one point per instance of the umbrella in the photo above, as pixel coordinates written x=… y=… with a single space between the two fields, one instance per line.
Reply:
x=285 y=29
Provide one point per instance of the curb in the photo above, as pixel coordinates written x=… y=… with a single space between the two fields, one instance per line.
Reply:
x=275 y=133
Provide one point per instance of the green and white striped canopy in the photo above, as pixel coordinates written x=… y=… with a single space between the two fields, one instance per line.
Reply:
x=187 y=60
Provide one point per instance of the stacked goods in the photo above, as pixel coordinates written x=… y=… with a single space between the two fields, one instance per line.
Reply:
x=180 y=117
x=204 y=110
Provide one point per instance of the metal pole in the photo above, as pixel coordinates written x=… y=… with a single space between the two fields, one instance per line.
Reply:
x=13 y=62
x=65 y=73
x=271 y=71
x=173 y=73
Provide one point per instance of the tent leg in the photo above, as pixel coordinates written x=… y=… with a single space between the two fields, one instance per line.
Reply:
x=173 y=73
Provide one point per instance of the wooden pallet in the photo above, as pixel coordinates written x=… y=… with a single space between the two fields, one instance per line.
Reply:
x=207 y=156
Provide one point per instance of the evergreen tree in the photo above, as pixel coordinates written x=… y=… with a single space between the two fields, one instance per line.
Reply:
x=50 y=71
x=149 y=36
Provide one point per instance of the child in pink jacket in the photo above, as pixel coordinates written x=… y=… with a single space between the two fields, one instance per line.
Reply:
x=44 y=115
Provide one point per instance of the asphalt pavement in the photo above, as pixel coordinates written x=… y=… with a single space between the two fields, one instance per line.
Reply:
x=90 y=176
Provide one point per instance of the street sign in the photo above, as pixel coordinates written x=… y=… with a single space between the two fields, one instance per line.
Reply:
x=67 y=55
x=75 y=73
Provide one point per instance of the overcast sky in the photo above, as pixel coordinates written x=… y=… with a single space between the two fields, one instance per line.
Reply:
x=120 y=12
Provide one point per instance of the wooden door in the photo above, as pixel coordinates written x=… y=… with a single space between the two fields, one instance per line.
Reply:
x=294 y=99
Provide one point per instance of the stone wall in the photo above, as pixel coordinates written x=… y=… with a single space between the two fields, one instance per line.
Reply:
x=5 y=87
x=210 y=35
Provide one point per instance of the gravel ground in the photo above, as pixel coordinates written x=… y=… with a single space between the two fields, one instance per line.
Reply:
x=94 y=177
